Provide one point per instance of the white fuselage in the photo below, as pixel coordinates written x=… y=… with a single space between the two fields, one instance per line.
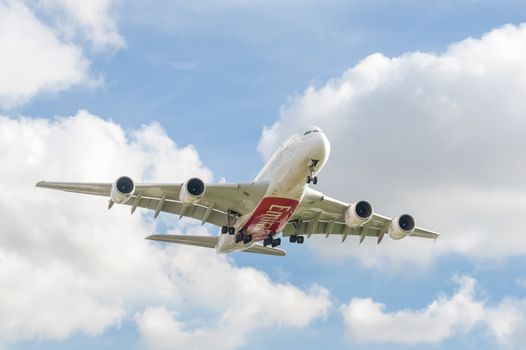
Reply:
x=286 y=172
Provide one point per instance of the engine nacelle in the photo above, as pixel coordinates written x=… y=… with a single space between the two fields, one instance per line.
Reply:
x=401 y=226
x=122 y=190
x=358 y=214
x=192 y=191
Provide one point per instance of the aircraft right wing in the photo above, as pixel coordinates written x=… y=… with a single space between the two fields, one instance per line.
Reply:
x=321 y=214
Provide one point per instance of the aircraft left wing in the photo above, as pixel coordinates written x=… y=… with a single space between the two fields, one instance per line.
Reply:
x=217 y=201
x=321 y=214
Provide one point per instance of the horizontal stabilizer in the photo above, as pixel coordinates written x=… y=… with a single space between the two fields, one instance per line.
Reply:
x=200 y=241
x=211 y=242
x=259 y=249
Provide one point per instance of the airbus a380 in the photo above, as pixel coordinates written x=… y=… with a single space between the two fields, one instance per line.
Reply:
x=279 y=200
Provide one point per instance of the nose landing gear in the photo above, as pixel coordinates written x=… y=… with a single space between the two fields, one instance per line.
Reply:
x=313 y=179
x=312 y=168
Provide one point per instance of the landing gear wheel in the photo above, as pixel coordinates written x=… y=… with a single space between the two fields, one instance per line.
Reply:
x=293 y=238
x=300 y=239
x=276 y=242
x=267 y=241
x=230 y=222
x=247 y=239
x=240 y=237
x=313 y=179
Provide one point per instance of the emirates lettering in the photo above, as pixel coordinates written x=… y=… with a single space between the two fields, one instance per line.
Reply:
x=274 y=213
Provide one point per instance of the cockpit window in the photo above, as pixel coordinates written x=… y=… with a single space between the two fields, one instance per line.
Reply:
x=308 y=132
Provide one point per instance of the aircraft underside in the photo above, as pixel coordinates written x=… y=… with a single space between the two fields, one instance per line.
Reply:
x=257 y=211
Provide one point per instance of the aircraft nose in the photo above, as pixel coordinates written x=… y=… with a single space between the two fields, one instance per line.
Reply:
x=320 y=146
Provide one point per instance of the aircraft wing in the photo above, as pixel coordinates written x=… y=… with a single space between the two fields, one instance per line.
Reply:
x=212 y=208
x=210 y=242
x=321 y=214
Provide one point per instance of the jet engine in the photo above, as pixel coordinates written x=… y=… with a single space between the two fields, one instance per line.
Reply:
x=401 y=226
x=192 y=191
x=122 y=190
x=358 y=214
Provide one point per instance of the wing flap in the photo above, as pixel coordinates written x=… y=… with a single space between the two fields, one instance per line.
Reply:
x=198 y=212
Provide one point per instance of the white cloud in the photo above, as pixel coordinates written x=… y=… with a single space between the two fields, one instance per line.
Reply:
x=367 y=321
x=436 y=135
x=33 y=59
x=248 y=302
x=93 y=19
x=69 y=266
x=42 y=48
x=507 y=322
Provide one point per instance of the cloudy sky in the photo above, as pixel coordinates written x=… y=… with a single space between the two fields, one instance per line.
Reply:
x=423 y=102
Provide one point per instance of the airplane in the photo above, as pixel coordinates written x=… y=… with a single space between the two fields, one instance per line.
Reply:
x=279 y=200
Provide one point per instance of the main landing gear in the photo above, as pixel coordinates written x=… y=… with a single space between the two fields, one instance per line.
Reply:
x=229 y=227
x=242 y=236
x=274 y=242
x=296 y=239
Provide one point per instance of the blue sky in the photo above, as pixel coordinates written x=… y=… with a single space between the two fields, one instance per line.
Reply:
x=243 y=61
x=214 y=76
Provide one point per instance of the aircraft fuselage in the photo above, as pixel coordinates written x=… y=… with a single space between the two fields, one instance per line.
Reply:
x=286 y=172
